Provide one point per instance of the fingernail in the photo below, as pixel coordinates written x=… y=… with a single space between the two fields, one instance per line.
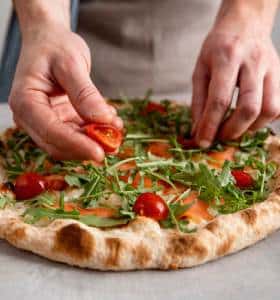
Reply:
x=98 y=155
x=204 y=144
x=117 y=122
x=113 y=110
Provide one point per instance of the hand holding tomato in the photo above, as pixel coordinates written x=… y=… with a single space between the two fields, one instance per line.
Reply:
x=53 y=96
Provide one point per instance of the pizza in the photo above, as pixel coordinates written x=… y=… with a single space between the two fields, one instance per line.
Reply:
x=156 y=202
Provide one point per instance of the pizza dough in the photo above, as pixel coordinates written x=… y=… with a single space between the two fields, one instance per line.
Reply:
x=143 y=243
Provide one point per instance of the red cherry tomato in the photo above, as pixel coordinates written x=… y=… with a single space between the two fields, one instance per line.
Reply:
x=108 y=136
x=152 y=206
x=154 y=107
x=55 y=182
x=243 y=179
x=29 y=185
x=187 y=143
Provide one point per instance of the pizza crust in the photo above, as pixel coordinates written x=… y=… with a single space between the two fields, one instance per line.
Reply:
x=142 y=244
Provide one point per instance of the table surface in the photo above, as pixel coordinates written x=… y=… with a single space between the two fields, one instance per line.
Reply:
x=253 y=273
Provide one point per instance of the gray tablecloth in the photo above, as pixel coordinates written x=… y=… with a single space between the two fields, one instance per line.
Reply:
x=253 y=273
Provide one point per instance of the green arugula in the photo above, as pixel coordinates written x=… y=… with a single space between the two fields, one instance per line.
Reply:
x=5 y=200
x=216 y=187
x=176 y=209
x=34 y=214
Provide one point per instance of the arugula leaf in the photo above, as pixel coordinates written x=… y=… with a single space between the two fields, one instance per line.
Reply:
x=176 y=209
x=93 y=188
x=61 y=200
x=73 y=180
x=5 y=199
x=250 y=141
x=102 y=222
x=39 y=162
x=127 y=213
x=3 y=202
x=183 y=226
x=45 y=199
x=225 y=177
x=34 y=214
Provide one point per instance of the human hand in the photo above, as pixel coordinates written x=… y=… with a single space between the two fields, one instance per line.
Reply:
x=237 y=52
x=52 y=96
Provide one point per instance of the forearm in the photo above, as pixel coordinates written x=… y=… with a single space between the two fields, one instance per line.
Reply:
x=249 y=13
x=36 y=14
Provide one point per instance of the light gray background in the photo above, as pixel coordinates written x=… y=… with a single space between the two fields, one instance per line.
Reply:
x=253 y=273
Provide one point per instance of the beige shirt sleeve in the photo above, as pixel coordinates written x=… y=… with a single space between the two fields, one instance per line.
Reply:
x=137 y=45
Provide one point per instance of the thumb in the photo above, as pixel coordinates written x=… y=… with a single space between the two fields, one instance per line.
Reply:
x=85 y=97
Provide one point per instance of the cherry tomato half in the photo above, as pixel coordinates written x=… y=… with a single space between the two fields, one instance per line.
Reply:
x=29 y=185
x=154 y=107
x=152 y=206
x=108 y=136
x=243 y=179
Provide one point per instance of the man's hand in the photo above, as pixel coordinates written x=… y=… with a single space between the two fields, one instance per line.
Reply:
x=237 y=52
x=52 y=95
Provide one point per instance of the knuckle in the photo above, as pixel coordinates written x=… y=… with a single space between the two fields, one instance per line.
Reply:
x=84 y=50
x=248 y=92
x=88 y=90
x=270 y=112
x=232 y=49
x=250 y=111
x=72 y=59
x=219 y=104
x=66 y=63
x=257 y=55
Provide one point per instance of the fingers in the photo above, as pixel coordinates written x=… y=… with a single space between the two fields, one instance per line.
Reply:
x=74 y=78
x=249 y=103
x=270 y=106
x=57 y=138
x=39 y=141
x=65 y=110
x=220 y=91
x=117 y=122
x=200 y=82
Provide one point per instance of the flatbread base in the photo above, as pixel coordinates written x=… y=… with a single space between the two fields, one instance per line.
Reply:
x=143 y=244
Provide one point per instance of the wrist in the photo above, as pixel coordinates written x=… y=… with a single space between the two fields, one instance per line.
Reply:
x=251 y=16
x=37 y=15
